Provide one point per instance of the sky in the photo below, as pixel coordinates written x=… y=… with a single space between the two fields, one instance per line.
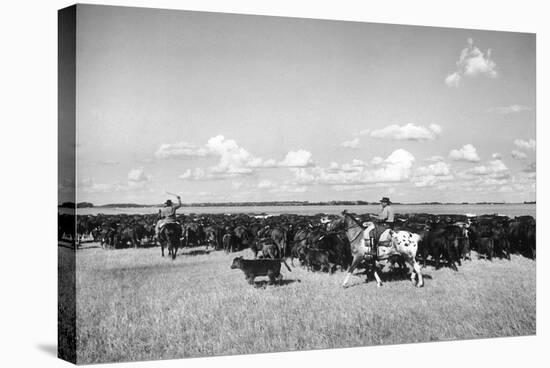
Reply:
x=230 y=108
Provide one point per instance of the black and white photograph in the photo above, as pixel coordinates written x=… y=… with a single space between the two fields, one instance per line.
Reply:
x=239 y=184
x=274 y=183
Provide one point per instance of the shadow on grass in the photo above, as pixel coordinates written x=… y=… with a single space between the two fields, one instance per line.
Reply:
x=395 y=274
x=440 y=265
x=195 y=252
x=50 y=349
x=264 y=283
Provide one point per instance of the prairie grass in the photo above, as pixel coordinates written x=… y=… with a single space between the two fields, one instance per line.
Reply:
x=134 y=305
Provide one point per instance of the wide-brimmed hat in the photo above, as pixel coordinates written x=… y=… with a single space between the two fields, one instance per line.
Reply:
x=168 y=202
x=385 y=200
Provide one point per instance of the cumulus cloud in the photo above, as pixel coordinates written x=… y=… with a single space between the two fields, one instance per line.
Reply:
x=495 y=169
x=180 y=150
x=354 y=143
x=432 y=174
x=519 y=155
x=300 y=158
x=395 y=168
x=138 y=175
x=531 y=144
x=438 y=169
x=467 y=153
x=409 y=132
x=453 y=80
x=471 y=63
x=235 y=161
x=511 y=109
x=138 y=180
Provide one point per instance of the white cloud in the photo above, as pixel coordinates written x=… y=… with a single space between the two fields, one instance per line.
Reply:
x=495 y=169
x=180 y=150
x=511 y=109
x=395 y=168
x=519 y=155
x=200 y=174
x=496 y=156
x=409 y=131
x=235 y=161
x=137 y=181
x=432 y=174
x=490 y=177
x=531 y=144
x=467 y=153
x=453 y=80
x=354 y=143
x=471 y=63
x=300 y=158
x=438 y=169
x=138 y=175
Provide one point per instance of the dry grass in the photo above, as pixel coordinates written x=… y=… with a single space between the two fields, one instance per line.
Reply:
x=135 y=305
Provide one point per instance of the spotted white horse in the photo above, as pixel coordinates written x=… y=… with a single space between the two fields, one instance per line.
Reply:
x=403 y=243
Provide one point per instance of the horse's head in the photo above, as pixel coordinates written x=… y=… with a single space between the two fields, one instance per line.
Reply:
x=367 y=224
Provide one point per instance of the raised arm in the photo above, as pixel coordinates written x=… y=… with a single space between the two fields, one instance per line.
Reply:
x=179 y=203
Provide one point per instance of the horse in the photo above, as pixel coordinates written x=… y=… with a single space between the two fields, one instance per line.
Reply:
x=403 y=243
x=170 y=235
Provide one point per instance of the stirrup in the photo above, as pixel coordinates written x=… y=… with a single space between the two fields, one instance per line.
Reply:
x=373 y=248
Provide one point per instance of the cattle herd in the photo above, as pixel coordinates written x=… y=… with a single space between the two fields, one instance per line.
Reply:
x=318 y=241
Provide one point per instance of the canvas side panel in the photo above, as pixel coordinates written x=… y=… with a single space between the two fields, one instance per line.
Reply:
x=66 y=317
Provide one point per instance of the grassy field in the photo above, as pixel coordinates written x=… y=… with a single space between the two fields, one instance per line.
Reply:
x=135 y=305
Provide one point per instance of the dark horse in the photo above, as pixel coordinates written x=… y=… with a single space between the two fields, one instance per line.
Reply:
x=170 y=236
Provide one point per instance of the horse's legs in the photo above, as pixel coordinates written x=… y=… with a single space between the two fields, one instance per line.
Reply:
x=418 y=273
x=354 y=264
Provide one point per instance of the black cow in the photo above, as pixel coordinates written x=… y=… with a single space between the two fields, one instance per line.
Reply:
x=253 y=268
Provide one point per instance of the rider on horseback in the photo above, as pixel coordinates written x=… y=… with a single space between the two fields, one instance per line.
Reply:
x=167 y=214
x=386 y=216
x=384 y=221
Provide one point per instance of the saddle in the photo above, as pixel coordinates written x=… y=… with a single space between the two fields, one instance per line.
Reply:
x=377 y=238
x=165 y=221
